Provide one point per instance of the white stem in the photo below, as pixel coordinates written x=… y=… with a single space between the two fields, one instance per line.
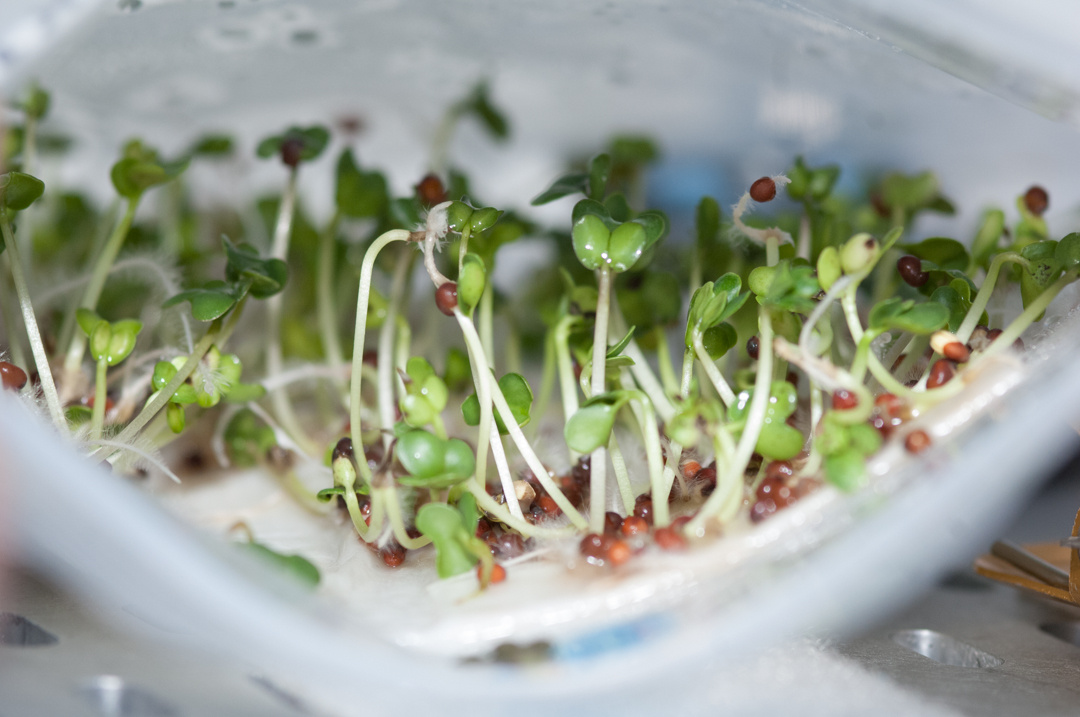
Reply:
x=598 y=459
x=717 y=379
x=505 y=477
x=622 y=476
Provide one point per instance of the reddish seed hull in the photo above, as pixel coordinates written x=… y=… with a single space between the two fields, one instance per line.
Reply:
x=612 y=523
x=941 y=373
x=446 y=298
x=1036 y=200
x=910 y=269
x=393 y=555
x=763 y=190
x=761 y=510
x=13 y=377
x=644 y=509
x=917 y=442
x=498 y=574
x=779 y=470
x=690 y=469
x=777 y=491
x=843 y=400
x=956 y=351
x=548 y=505
x=291 y=150
x=430 y=191
x=618 y=553
x=753 y=345
x=669 y=539
x=633 y=525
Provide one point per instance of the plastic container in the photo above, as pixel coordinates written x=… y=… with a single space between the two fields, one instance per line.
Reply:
x=732 y=90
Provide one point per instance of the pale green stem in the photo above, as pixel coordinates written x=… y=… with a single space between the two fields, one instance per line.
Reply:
x=472 y=340
x=512 y=350
x=97 y=420
x=365 y=531
x=283 y=408
x=324 y=297
x=15 y=347
x=978 y=305
x=1012 y=332
x=97 y=283
x=727 y=396
x=486 y=318
x=157 y=402
x=772 y=250
x=567 y=384
x=622 y=477
x=654 y=455
x=687 y=372
x=362 y=298
x=37 y=347
x=498 y=451
x=438 y=426
x=754 y=420
x=393 y=511
x=598 y=459
x=668 y=379
x=463 y=247
x=385 y=357
x=645 y=377
x=862 y=355
x=491 y=507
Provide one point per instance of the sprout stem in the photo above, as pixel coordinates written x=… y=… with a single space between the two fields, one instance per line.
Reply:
x=97 y=421
x=622 y=477
x=727 y=396
x=567 y=384
x=663 y=358
x=37 y=347
x=95 y=286
x=362 y=297
x=598 y=460
x=491 y=507
x=1012 y=332
x=978 y=306
x=472 y=341
x=385 y=359
x=486 y=319
x=392 y=503
x=324 y=297
x=755 y=418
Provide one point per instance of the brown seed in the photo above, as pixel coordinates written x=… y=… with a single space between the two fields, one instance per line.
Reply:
x=343 y=449
x=889 y=403
x=291 y=150
x=430 y=191
x=498 y=573
x=13 y=377
x=446 y=297
x=595 y=547
x=393 y=555
x=1036 y=200
x=669 y=539
x=612 y=523
x=956 y=351
x=843 y=400
x=753 y=345
x=681 y=521
x=690 y=469
x=618 y=552
x=509 y=545
x=644 y=509
x=483 y=528
x=707 y=476
x=777 y=491
x=763 y=190
x=779 y=470
x=548 y=505
x=910 y=269
x=917 y=442
x=633 y=525
x=941 y=373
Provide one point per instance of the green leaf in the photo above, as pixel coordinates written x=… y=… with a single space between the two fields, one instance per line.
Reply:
x=211 y=145
x=1041 y=270
x=420 y=453
x=35 y=102
x=471 y=282
x=122 y=341
x=618 y=346
x=445 y=525
x=618 y=207
x=909 y=192
x=1067 y=253
x=625 y=246
x=175 y=417
x=655 y=224
x=590 y=237
x=564 y=186
x=244 y=392
x=132 y=176
x=590 y=427
x=599 y=171
x=311 y=141
x=208 y=302
x=944 y=252
x=265 y=277
x=327 y=494
x=719 y=339
x=359 y=193
x=634 y=150
x=88 y=320
x=518 y=395
x=793 y=288
x=491 y=118
x=807 y=183
x=19 y=190
x=953 y=303
x=406 y=213
x=906 y=315
x=777 y=440
x=458 y=373
x=846 y=470
x=296 y=566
